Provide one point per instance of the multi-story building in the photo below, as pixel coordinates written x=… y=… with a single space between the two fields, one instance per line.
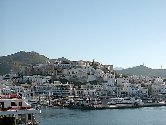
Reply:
x=56 y=89
x=121 y=81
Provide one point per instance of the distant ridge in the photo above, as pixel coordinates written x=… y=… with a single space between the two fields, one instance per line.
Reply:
x=143 y=70
x=118 y=68
x=22 y=58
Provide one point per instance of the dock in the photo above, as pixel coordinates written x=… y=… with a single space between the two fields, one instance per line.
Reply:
x=118 y=106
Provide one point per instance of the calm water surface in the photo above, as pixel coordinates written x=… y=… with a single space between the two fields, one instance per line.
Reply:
x=141 y=116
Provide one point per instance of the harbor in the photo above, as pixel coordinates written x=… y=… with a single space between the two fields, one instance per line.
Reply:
x=129 y=116
x=67 y=85
x=83 y=62
x=98 y=104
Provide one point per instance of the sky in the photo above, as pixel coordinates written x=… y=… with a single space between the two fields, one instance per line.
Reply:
x=124 y=33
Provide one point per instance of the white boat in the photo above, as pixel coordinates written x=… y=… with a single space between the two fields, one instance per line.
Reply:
x=15 y=110
x=125 y=101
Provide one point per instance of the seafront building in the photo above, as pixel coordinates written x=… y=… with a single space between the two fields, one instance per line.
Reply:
x=62 y=78
x=119 y=87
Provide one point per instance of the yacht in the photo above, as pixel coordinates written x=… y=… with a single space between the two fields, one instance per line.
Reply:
x=15 y=110
x=125 y=101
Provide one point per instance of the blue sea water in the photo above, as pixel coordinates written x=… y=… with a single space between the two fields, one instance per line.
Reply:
x=139 y=116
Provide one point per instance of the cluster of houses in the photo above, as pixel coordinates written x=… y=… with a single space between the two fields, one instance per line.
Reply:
x=83 y=78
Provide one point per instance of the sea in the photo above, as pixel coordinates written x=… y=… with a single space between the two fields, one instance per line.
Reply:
x=136 y=116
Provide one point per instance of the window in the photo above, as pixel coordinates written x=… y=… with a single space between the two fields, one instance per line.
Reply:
x=29 y=116
x=13 y=104
x=20 y=103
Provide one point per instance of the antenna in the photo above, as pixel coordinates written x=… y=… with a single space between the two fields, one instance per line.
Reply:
x=161 y=66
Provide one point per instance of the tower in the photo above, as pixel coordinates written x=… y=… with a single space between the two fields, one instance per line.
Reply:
x=143 y=63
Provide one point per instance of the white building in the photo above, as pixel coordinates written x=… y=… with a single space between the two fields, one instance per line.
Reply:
x=143 y=92
x=155 y=89
x=129 y=89
x=158 y=81
x=56 y=89
x=40 y=79
x=12 y=89
x=163 y=89
x=121 y=81
x=107 y=76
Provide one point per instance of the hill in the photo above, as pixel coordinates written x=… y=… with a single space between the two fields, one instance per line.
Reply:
x=118 y=68
x=143 y=70
x=19 y=59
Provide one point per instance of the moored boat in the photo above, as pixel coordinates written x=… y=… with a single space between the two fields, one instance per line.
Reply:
x=125 y=102
x=15 y=110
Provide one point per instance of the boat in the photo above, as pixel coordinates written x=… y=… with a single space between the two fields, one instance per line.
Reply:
x=125 y=102
x=85 y=104
x=15 y=110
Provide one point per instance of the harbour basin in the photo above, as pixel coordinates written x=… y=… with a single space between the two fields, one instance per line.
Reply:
x=137 y=116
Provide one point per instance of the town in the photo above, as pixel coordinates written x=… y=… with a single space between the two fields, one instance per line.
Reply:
x=77 y=84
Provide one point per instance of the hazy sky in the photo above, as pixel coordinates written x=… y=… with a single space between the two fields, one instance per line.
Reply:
x=124 y=33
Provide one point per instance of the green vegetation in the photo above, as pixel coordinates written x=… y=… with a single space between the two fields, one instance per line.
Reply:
x=143 y=70
x=18 y=60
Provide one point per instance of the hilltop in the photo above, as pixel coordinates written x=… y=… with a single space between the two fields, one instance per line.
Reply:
x=25 y=59
x=143 y=70
x=19 y=59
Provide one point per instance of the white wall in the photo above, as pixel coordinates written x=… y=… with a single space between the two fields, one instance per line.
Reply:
x=121 y=81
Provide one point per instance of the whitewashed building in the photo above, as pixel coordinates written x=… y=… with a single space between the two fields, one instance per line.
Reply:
x=121 y=81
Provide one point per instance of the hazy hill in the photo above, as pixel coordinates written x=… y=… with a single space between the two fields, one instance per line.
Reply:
x=22 y=58
x=118 y=68
x=143 y=70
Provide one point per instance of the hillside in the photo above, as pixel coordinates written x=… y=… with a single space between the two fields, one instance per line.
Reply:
x=19 y=59
x=143 y=70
